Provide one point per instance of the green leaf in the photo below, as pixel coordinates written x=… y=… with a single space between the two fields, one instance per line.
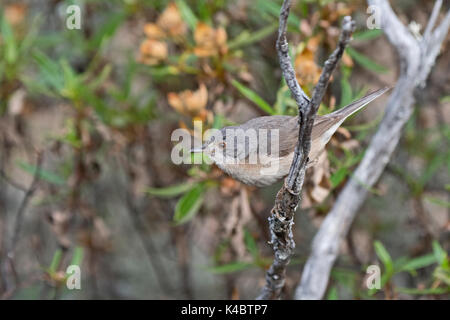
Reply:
x=419 y=262
x=384 y=257
x=432 y=167
x=367 y=34
x=248 y=37
x=365 y=61
x=51 y=75
x=188 y=206
x=77 y=256
x=339 y=176
x=43 y=174
x=253 y=96
x=423 y=291
x=438 y=202
x=346 y=92
x=251 y=245
x=171 y=191
x=55 y=261
x=333 y=294
x=9 y=42
x=187 y=14
x=106 y=30
x=230 y=267
x=440 y=254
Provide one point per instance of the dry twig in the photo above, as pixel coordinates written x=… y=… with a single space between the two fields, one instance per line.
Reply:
x=288 y=197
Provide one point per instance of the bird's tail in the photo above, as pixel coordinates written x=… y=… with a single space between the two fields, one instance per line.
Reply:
x=353 y=107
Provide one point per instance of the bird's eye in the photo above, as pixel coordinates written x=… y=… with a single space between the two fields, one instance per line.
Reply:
x=222 y=144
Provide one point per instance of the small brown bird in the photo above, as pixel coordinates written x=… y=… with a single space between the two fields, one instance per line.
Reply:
x=241 y=154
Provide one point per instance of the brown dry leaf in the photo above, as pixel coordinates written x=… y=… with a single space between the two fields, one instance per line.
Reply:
x=153 y=31
x=188 y=102
x=345 y=132
x=240 y=215
x=229 y=186
x=101 y=235
x=209 y=41
x=333 y=11
x=16 y=104
x=319 y=186
x=171 y=21
x=15 y=13
x=347 y=60
x=305 y=28
x=307 y=71
x=153 y=52
x=59 y=221
x=350 y=144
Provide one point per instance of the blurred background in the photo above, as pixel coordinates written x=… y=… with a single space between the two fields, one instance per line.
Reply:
x=86 y=176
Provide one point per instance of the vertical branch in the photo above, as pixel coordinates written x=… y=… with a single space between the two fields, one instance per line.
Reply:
x=416 y=59
x=7 y=266
x=288 y=197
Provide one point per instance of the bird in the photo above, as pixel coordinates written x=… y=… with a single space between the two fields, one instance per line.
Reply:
x=263 y=159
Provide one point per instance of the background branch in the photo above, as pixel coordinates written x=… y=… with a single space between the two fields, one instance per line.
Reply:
x=8 y=261
x=417 y=57
x=288 y=197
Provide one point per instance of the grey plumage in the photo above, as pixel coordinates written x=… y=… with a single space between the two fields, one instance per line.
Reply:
x=250 y=173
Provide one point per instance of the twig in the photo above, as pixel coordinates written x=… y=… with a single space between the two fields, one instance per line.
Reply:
x=11 y=245
x=135 y=213
x=433 y=17
x=8 y=180
x=28 y=194
x=417 y=58
x=288 y=197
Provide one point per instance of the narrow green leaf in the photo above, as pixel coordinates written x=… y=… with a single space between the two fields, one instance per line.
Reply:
x=77 y=256
x=384 y=257
x=246 y=37
x=188 y=206
x=106 y=30
x=339 y=176
x=333 y=294
x=346 y=92
x=445 y=99
x=55 y=261
x=230 y=267
x=438 y=202
x=365 y=61
x=43 y=174
x=439 y=253
x=423 y=291
x=253 y=96
x=187 y=14
x=11 y=50
x=171 y=191
x=419 y=262
x=251 y=245
x=367 y=34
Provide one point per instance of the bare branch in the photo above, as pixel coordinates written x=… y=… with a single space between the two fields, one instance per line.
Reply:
x=348 y=27
x=19 y=216
x=288 y=197
x=433 y=18
x=285 y=60
x=417 y=63
x=399 y=35
x=8 y=266
x=8 y=180
x=11 y=182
